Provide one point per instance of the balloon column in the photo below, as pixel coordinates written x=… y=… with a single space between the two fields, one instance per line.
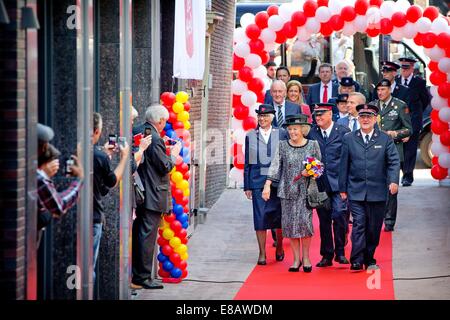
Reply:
x=172 y=238
x=259 y=33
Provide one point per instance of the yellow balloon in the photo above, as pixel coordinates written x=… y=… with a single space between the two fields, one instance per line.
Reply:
x=183 y=116
x=184 y=256
x=175 y=242
x=186 y=192
x=168 y=234
x=173 y=170
x=177 y=177
x=187 y=125
x=163 y=224
x=182 y=97
x=181 y=249
x=183 y=185
x=177 y=107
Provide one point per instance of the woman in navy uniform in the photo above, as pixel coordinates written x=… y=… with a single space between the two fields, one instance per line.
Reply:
x=370 y=165
x=260 y=146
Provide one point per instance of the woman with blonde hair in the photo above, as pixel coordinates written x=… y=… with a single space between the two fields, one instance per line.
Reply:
x=295 y=95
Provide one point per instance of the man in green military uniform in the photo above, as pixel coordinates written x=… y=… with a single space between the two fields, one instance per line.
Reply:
x=393 y=119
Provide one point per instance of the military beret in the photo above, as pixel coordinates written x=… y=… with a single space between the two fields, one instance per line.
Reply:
x=383 y=83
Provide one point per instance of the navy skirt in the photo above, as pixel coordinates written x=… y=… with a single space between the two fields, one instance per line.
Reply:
x=266 y=214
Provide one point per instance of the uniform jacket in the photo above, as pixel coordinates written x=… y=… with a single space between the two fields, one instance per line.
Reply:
x=400 y=92
x=367 y=171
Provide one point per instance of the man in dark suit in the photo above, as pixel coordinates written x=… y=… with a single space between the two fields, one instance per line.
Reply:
x=324 y=90
x=260 y=146
x=342 y=70
x=154 y=173
x=329 y=135
x=282 y=107
x=399 y=91
x=282 y=74
x=369 y=169
x=419 y=99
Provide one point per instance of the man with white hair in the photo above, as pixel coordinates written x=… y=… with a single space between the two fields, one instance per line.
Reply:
x=342 y=70
x=154 y=173
x=283 y=108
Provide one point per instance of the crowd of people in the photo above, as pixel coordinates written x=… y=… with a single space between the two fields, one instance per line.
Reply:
x=362 y=146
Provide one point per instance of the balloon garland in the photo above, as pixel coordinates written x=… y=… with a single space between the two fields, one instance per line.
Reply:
x=259 y=33
x=172 y=238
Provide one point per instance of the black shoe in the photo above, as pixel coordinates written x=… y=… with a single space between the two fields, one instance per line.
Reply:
x=279 y=257
x=149 y=284
x=324 y=263
x=341 y=260
x=356 y=266
x=388 y=228
x=307 y=269
x=407 y=184
x=262 y=262
x=295 y=269
x=372 y=266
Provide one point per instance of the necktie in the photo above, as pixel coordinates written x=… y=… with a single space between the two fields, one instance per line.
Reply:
x=383 y=106
x=406 y=82
x=354 y=125
x=367 y=139
x=280 y=119
x=325 y=94
x=325 y=137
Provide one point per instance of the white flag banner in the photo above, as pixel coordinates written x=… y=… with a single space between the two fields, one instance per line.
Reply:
x=189 y=47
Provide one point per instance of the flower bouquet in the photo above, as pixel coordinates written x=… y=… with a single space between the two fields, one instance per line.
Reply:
x=313 y=166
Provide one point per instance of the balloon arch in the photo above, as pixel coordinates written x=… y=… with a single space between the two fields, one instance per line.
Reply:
x=260 y=33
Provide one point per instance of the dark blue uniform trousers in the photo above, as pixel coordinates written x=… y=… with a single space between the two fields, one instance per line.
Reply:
x=334 y=221
x=367 y=223
x=410 y=152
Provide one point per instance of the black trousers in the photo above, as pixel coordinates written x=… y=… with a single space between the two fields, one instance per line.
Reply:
x=333 y=222
x=145 y=231
x=410 y=153
x=367 y=223
x=390 y=214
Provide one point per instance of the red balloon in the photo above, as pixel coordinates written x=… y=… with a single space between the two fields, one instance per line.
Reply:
x=438 y=126
x=418 y=39
x=187 y=106
x=183 y=168
x=238 y=62
x=325 y=29
x=438 y=172
x=289 y=30
x=186 y=209
x=235 y=149
x=237 y=101
x=163 y=273
x=361 y=7
x=445 y=138
x=184 y=241
x=434 y=115
x=184 y=201
x=443 y=40
x=434 y=160
x=429 y=40
x=252 y=31
x=265 y=57
x=178 y=195
x=386 y=26
x=298 y=19
x=348 y=13
x=168 y=98
x=167 y=250
x=444 y=90
x=431 y=13
x=246 y=74
x=182 y=234
x=256 y=85
x=376 y=2
x=260 y=97
x=447 y=52
x=373 y=32
x=184 y=274
x=256 y=46
x=162 y=242
x=186 y=176
x=433 y=66
x=399 y=19
x=175 y=226
x=322 y=3
x=160 y=231
x=175 y=258
x=437 y=77
x=272 y=10
x=238 y=161
x=413 y=13
x=240 y=113
x=261 y=19
x=172 y=117
x=182 y=265
x=309 y=8
x=177 y=125
x=281 y=37
x=178 y=160
x=249 y=123
x=336 y=22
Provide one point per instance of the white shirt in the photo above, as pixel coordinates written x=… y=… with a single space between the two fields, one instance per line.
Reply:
x=351 y=122
x=266 y=134
x=328 y=131
x=283 y=108
x=364 y=135
x=393 y=86
x=342 y=115
x=329 y=90
x=408 y=79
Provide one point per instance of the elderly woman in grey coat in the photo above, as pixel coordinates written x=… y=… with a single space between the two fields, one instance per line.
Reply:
x=288 y=170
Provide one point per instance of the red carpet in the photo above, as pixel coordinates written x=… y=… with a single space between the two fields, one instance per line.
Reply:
x=274 y=282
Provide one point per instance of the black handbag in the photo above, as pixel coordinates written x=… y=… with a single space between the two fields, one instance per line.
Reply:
x=316 y=199
x=139 y=191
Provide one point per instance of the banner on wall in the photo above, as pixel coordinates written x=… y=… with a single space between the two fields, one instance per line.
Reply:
x=189 y=47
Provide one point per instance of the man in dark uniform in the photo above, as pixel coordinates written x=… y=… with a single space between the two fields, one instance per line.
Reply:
x=333 y=221
x=260 y=146
x=419 y=99
x=389 y=71
x=369 y=169
x=395 y=121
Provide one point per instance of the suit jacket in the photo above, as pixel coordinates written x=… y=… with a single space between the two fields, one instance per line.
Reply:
x=154 y=173
x=331 y=153
x=314 y=93
x=400 y=92
x=259 y=155
x=344 y=121
x=367 y=170
x=335 y=110
x=419 y=98
x=290 y=108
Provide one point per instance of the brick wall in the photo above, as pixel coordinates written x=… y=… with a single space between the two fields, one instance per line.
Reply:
x=12 y=155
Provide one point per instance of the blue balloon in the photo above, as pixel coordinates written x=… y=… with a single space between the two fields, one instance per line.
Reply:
x=176 y=272
x=172 y=135
x=169 y=132
x=187 y=159
x=185 y=225
x=185 y=151
x=168 y=127
x=167 y=265
x=178 y=209
x=183 y=218
x=162 y=257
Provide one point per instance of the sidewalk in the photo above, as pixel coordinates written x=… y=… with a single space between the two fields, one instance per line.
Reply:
x=223 y=251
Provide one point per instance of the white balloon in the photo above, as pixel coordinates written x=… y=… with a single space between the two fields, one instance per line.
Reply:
x=423 y=25
x=373 y=15
x=239 y=135
x=236 y=123
x=436 y=53
x=242 y=50
x=435 y=137
x=253 y=61
x=402 y=5
x=438 y=102
x=260 y=72
x=396 y=34
x=303 y=34
x=439 y=25
x=349 y=29
x=387 y=9
x=252 y=110
x=267 y=35
x=248 y=98
x=238 y=87
x=323 y=14
x=269 y=46
x=267 y=83
x=444 y=65
x=444 y=114
x=312 y=25
x=275 y=23
x=335 y=6
x=433 y=91
x=247 y=19
x=360 y=23
x=409 y=30
x=285 y=11
x=236 y=175
x=437 y=148
x=444 y=160
x=240 y=36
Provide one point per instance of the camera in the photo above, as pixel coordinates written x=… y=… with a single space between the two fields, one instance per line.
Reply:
x=69 y=164
x=122 y=141
x=147 y=132
x=112 y=140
